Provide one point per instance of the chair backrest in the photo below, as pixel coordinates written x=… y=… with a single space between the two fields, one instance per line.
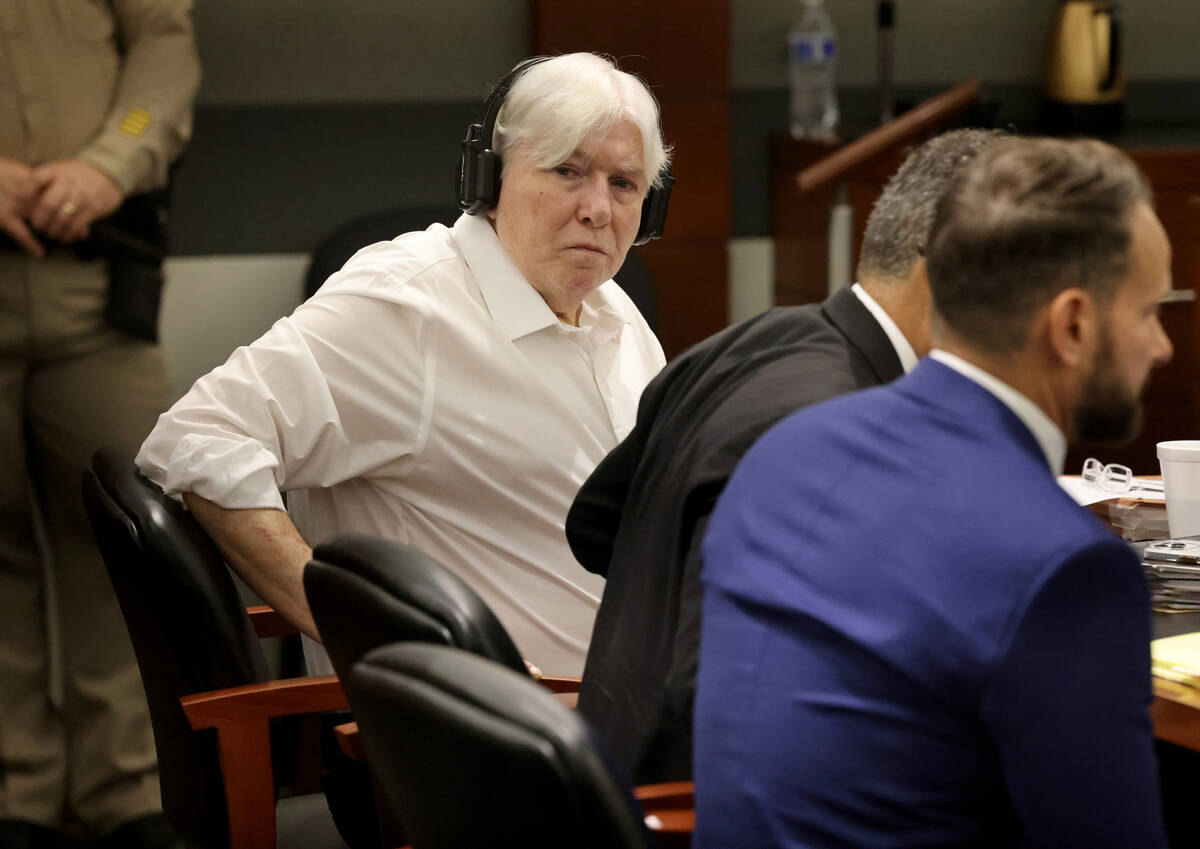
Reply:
x=634 y=277
x=188 y=627
x=387 y=224
x=472 y=754
x=365 y=591
x=380 y=226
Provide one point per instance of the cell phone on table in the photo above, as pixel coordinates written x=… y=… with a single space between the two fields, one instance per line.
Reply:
x=1181 y=550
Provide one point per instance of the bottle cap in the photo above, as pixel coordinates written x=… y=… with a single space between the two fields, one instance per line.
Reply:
x=885 y=14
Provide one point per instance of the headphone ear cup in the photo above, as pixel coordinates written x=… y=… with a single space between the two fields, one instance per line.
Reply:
x=460 y=183
x=478 y=185
x=654 y=211
x=489 y=179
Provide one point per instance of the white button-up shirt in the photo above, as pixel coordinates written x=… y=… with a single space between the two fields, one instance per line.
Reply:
x=427 y=393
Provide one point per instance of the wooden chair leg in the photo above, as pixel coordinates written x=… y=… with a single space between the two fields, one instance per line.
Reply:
x=249 y=783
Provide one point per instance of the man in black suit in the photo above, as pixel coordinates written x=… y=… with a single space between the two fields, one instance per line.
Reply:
x=640 y=517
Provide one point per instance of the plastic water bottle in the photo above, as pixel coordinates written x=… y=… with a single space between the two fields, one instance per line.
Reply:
x=812 y=61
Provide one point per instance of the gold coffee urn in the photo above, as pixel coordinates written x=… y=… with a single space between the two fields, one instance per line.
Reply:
x=1084 y=85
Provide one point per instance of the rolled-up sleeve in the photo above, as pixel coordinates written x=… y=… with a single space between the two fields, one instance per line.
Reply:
x=340 y=389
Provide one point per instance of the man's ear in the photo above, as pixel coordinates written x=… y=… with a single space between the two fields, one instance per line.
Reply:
x=1072 y=322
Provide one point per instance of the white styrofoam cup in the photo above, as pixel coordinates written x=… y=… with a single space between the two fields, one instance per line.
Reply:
x=1179 y=461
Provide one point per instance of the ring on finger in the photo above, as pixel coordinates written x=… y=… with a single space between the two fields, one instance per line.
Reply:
x=68 y=209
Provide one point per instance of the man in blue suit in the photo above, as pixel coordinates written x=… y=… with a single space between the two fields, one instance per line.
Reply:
x=911 y=635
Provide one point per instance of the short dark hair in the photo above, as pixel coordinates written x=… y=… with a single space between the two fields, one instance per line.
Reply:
x=1025 y=220
x=898 y=226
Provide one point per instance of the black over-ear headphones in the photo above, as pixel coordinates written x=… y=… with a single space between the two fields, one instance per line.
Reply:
x=479 y=166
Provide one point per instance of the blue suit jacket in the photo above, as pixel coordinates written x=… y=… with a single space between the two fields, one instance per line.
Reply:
x=912 y=637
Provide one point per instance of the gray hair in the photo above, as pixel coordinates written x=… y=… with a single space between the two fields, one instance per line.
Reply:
x=554 y=105
x=1026 y=220
x=898 y=226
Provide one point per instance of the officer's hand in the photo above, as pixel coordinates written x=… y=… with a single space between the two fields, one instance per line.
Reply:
x=18 y=190
x=73 y=195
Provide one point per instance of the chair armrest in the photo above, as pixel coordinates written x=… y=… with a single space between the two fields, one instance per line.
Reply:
x=268 y=623
x=241 y=717
x=350 y=741
x=672 y=828
x=259 y=702
x=666 y=796
x=670 y=812
x=560 y=683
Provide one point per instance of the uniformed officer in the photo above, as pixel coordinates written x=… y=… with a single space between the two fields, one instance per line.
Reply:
x=95 y=103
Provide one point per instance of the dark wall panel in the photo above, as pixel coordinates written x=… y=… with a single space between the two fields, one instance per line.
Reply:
x=276 y=179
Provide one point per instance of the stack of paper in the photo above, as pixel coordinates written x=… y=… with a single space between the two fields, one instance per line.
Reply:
x=1173 y=571
x=1177 y=658
x=1139 y=514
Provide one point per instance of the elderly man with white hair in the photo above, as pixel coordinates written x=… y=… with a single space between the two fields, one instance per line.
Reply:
x=451 y=388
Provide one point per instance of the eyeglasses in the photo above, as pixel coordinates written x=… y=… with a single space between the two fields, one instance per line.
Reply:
x=1115 y=478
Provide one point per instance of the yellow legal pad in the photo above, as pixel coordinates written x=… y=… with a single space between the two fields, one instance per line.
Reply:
x=1177 y=658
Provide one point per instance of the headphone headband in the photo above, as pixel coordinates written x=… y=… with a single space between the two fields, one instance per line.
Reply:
x=479 y=166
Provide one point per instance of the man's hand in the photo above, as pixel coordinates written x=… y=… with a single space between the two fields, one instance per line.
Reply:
x=18 y=190
x=72 y=195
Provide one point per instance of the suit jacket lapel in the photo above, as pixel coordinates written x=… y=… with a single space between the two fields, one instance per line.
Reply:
x=846 y=312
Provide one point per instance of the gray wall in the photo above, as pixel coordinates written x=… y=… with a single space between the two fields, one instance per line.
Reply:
x=311 y=113
x=356 y=51
x=368 y=51
x=940 y=41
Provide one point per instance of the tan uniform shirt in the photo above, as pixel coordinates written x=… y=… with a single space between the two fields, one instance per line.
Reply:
x=110 y=82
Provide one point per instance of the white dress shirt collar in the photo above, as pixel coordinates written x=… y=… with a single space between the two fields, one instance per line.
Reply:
x=904 y=349
x=513 y=304
x=1045 y=431
x=510 y=299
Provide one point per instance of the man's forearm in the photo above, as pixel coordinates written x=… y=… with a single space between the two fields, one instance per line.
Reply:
x=265 y=549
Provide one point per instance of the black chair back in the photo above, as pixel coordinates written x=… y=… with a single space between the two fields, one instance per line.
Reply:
x=634 y=277
x=365 y=591
x=188 y=627
x=472 y=754
x=379 y=226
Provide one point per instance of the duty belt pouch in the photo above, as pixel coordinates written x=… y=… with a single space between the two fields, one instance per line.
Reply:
x=134 y=243
x=134 y=296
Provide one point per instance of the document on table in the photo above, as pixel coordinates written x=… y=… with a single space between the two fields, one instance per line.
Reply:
x=1086 y=492
x=1177 y=658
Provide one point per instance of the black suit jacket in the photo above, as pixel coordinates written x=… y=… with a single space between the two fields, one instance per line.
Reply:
x=640 y=517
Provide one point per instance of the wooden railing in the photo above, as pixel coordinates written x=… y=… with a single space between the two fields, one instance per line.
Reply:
x=913 y=124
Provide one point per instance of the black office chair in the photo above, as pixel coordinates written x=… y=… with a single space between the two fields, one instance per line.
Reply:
x=366 y=591
x=381 y=226
x=634 y=277
x=470 y=753
x=205 y=675
x=387 y=224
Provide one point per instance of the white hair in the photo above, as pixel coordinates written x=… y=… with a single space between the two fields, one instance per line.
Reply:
x=554 y=105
